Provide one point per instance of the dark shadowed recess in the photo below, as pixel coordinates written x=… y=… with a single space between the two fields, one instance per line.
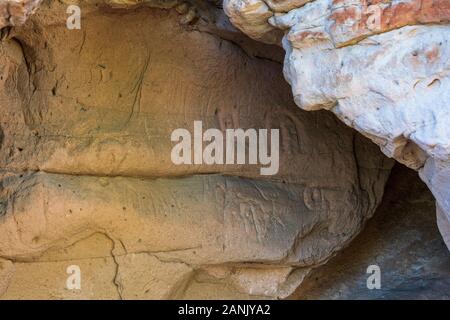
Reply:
x=402 y=239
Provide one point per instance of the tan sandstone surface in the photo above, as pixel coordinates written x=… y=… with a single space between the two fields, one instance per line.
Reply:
x=87 y=179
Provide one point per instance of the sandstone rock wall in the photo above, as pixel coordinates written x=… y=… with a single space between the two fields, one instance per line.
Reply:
x=87 y=180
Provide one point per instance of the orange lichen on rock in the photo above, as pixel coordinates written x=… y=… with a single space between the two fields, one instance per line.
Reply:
x=307 y=36
x=378 y=16
x=415 y=12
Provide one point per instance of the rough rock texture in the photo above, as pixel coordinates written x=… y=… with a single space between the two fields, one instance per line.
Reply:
x=382 y=67
x=87 y=180
x=402 y=239
x=16 y=12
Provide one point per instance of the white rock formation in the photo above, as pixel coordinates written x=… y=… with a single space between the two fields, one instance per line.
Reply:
x=383 y=67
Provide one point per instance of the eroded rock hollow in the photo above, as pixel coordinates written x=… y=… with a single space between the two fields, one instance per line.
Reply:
x=85 y=142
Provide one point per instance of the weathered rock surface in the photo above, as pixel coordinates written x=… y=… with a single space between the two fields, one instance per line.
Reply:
x=382 y=67
x=16 y=12
x=401 y=239
x=87 y=180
